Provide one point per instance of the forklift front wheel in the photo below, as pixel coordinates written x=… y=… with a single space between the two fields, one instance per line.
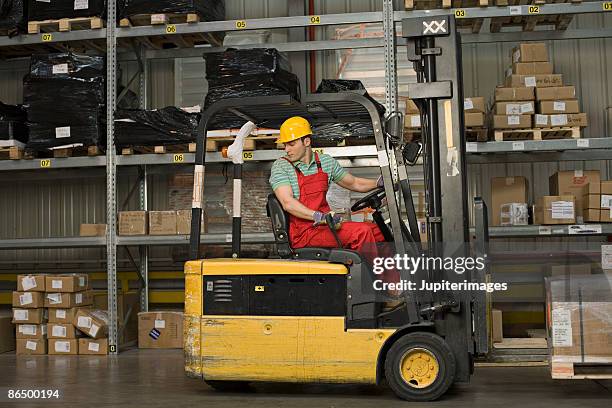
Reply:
x=228 y=386
x=420 y=367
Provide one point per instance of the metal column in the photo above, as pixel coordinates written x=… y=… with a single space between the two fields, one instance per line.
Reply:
x=390 y=57
x=111 y=179
x=144 y=190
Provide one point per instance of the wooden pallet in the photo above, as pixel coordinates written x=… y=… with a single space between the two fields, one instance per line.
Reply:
x=474 y=134
x=599 y=368
x=159 y=19
x=438 y=4
x=65 y=24
x=263 y=142
x=178 y=148
x=77 y=151
x=537 y=134
x=12 y=153
x=529 y=23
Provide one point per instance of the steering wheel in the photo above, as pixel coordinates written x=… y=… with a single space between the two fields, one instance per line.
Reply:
x=372 y=200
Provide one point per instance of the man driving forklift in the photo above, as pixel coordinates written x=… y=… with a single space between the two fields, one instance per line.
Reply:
x=300 y=181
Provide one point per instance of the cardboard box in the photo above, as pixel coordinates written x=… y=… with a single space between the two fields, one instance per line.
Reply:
x=61 y=331
x=30 y=316
x=28 y=300
x=127 y=303
x=555 y=93
x=93 y=323
x=555 y=210
x=514 y=94
x=554 y=107
x=506 y=190
x=412 y=121
x=7 y=333
x=514 y=108
x=162 y=222
x=92 y=230
x=161 y=330
x=411 y=107
x=474 y=119
x=31 y=347
x=63 y=347
x=532 y=68
x=183 y=222
x=560 y=120
x=591 y=215
x=97 y=347
x=605 y=215
x=62 y=315
x=133 y=223
x=31 y=283
x=569 y=271
x=31 y=331
x=68 y=300
x=605 y=187
x=497 y=328
x=572 y=182
x=530 y=52
x=474 y=104
x=540 y=81
x=511 y=121
x=67 y=283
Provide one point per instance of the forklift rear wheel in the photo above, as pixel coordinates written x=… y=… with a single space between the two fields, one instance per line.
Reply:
x=420 y=367
x=228 y=386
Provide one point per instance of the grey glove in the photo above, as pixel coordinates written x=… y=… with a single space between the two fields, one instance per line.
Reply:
x=320 y=218
x=380 y=182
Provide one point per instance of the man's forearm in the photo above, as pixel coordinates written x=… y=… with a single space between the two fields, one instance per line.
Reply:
x=297 y=209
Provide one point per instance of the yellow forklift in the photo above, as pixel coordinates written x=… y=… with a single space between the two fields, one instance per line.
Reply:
x=311 y=315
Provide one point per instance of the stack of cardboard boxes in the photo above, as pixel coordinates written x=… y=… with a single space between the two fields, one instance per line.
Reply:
x=533 y=96
x=46 y=310
x=155 y=222
x=576 y=196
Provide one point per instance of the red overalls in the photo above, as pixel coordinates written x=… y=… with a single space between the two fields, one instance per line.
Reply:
x=358 y=236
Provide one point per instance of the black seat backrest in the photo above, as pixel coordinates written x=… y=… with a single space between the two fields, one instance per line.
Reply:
x=280 y=226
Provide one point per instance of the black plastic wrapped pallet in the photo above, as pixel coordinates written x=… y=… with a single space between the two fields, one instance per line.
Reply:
x=64 y=95
x=347 y=85
x=208 y=10
x=56 y=9
x=256 y=61
x=13 y=15
x=13 y=123
x=158 y=127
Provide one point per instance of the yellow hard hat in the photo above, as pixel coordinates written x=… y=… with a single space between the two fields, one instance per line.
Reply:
x=293 y=129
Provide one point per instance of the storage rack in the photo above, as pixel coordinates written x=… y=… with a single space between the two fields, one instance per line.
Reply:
x=558 y=150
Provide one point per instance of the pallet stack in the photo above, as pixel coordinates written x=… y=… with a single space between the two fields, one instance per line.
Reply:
x=534 y=104
x=52 y=312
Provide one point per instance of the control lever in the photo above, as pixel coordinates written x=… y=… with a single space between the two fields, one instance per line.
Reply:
x=329 y=220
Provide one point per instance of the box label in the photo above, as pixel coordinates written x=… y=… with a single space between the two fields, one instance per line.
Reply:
x=28 y=282
x=160 y=324
x=26 y=299
x=530 y=81
x=95 y=347
x=558 y=120
x=559 y=106
x=541 y=119
x=468 y=104
x=93 y=331
x=62 y=132
x=415 y=121
x=81 y=4
x=62 y=347
x=58 y=331
x=28 y=329
x=606 y=201
x=513 y=109
x=562 y=210
x=84 y=322
x=60 y=314
x=54 y=298
x=562 y=328
x=606 y=257
x=56 y=284
x=81 y=281
x=60 y=69
x=514 y=120
x=526 y=108
x=78 y=298
x=20 y=315
x=31 y=345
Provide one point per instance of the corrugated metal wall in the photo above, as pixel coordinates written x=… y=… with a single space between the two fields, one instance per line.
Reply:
x=34 y=207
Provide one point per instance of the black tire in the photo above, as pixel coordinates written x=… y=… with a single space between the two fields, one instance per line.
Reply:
x=426 y=344
x=228 y=386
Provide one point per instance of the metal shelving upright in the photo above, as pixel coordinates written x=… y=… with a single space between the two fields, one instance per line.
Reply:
x=358 y=156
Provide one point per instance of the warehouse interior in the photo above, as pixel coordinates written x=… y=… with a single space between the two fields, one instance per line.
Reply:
x=111 y=219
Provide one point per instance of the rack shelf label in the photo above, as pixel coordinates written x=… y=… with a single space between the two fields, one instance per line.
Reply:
x=46 y=37
x=315 y=20
x=45 y=163
x=178 y=158
x=171 y=29
x=241 y=24
x=607 y=6
x=533 y=10
x=247 y=155
x=460 y=13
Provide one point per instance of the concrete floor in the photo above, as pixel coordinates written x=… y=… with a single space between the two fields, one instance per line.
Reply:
x=151 y=378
